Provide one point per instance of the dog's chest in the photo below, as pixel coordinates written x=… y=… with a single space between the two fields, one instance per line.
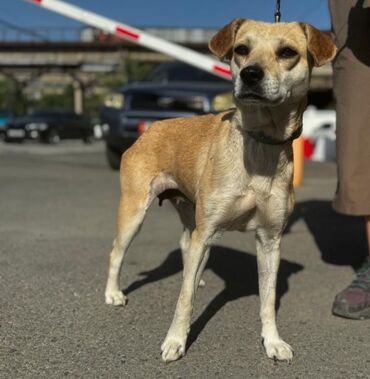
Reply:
x=250 y=185
x=250 y=200
x=262 y=202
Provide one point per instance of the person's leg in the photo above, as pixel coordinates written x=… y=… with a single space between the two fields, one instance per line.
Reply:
x=368 y=232
x=351 y=75
x=354 y=301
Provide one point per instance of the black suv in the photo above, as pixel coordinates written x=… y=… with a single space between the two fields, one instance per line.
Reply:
x=172 y=90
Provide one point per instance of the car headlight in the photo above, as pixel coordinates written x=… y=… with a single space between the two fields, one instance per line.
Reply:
x=30 y=126
x=114 y=100
x=43 y=126
x=105 y=128
x=37 y=126
x=222 y=102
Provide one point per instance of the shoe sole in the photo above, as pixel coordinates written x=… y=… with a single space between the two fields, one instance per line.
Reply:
x=360 y=315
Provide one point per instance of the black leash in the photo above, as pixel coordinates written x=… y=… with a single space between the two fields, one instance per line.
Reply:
x=277 y=11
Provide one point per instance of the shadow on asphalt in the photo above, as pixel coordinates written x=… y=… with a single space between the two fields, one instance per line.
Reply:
x=236 y=268
x=340 y=239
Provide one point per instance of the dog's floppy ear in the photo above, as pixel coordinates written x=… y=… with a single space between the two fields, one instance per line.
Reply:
x=319 y=44
x=222 y=42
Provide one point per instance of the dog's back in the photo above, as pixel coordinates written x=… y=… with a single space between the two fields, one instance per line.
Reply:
x=178 y=147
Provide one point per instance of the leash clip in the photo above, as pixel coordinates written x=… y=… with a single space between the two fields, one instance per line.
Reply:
x=277 y=12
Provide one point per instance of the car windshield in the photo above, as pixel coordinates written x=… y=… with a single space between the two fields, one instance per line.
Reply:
x=181 y=72
x=45 y=114
x=5 y=114
x=153 y=102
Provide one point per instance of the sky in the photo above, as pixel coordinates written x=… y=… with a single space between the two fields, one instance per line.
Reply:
x=170 y=13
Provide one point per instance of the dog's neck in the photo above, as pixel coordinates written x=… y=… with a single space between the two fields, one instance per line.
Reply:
x=277 y=124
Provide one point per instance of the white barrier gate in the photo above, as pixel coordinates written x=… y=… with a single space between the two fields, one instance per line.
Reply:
x=137 y=36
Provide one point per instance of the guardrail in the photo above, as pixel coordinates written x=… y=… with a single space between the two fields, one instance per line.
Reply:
x=55 y=34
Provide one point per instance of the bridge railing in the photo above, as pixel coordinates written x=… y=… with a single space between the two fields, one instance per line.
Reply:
x=14 y=33
x=38 y=34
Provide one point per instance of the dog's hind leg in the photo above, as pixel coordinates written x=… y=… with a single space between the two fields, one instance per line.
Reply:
x=138 y=189
x=130 y=218
x=137 y=192
x=131 y=213
x=268 y=258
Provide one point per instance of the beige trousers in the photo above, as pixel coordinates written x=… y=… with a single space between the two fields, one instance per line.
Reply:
x=351 y=27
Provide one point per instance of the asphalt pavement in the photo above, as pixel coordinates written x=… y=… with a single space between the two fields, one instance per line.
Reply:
x=57 y=223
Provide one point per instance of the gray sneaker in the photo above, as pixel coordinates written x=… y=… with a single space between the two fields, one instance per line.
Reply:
x=354 y=301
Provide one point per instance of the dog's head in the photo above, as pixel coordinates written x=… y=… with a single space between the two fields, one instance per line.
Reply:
x=271 y=63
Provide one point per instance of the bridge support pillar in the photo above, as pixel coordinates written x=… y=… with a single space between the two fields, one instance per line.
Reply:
x=78 y=96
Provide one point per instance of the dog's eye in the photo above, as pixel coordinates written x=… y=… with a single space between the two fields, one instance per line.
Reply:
x=241 y=50
x=286 y=53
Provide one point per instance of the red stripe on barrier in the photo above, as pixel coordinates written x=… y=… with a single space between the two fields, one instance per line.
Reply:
x=222 y=70
x=37 y=1
x=127 y=33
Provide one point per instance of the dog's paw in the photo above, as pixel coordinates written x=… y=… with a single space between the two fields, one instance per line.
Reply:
x=279 y=350
x=172 y=349
x=115 y=298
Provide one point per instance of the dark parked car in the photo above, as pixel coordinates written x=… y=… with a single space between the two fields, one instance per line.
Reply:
x=50 y=126
x=171 y=90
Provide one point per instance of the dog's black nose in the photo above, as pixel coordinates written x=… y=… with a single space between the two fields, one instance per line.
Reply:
x=251 y=75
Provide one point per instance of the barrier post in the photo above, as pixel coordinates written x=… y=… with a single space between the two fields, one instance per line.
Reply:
x=298 y=154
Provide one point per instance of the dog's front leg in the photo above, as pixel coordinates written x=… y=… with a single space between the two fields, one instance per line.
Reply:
x=268 y=258
x=174 y=344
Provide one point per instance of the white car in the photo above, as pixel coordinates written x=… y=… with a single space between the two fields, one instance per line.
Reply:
x=319 y=134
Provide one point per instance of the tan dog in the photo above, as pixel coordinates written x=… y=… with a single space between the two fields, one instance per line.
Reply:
x=230 y=171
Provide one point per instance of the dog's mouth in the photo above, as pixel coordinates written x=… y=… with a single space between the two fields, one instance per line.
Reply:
x=254 y=98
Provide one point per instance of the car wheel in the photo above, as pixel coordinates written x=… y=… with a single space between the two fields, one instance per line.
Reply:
x=52 y=137
x=113 y=158
x=13 y=140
